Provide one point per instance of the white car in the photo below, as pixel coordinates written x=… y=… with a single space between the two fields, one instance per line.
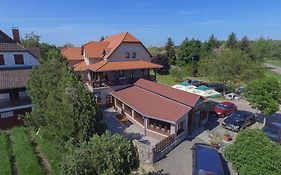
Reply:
x=232 y=96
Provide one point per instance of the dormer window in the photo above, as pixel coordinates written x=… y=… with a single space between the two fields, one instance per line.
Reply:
x=18 y=59
x=127 y=55
x=134 y=55
x=2 y=61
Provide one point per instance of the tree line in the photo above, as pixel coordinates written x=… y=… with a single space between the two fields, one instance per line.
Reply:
x=231 y=62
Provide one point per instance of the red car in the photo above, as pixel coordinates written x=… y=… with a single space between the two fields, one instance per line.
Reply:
x=224 y=109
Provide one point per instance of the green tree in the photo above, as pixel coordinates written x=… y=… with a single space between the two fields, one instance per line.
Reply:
x=253 y=153
x=105 y=155
x=211 y=44
x=260 y=49
x=231 y=42
x=245 y=44
x=162 y=59
x=170 y=51
x=231 y=67
x=264 y=95
x=177 y=72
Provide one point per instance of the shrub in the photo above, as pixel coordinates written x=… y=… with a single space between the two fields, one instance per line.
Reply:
x=254 y=153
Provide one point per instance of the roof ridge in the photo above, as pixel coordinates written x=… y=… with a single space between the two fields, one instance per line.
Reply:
x=105 y=62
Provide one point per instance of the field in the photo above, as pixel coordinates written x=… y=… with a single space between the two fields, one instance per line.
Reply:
x=272 y=74
x=274 y=62
x=26 y=153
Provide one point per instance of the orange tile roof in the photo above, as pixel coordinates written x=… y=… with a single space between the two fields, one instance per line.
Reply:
x=95 y=49
x=72 y=53
x=104 y=66
x=80 y=67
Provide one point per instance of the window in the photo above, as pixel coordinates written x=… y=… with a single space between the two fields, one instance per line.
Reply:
x=127 y=55
x=134 y=55
x=2 y=61
x=121 y=73
x=18 y=59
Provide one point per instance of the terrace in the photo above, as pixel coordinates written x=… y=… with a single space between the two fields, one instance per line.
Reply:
x=15 y=104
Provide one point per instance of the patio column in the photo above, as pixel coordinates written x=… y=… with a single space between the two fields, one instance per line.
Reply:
x=173 y=128
x=145 y=124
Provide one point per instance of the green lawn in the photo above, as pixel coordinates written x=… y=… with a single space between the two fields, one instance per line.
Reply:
x=5 y=154
x=274 y=62
x=272 y=74
x=50 y=152
x=26 y=160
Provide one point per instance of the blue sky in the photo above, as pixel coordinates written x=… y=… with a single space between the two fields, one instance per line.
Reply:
x=151 y=21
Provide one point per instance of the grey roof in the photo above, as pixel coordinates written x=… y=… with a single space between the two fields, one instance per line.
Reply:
x=11 y=47
x=15 y=78
x=4 y=38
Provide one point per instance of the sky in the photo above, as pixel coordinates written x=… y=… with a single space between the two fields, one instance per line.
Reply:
x=151 y=21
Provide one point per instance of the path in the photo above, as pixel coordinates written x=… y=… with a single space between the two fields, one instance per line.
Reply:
x=273 y=68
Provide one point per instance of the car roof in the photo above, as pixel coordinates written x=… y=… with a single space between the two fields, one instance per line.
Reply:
x=227 y=103
x=208 y=159
x=241 y=112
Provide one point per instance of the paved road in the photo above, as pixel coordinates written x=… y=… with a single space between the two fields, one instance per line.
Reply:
x=273 y=68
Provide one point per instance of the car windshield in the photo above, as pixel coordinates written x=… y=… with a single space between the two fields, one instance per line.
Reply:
x=271 y=132
x=221 y=106
x=237 y=117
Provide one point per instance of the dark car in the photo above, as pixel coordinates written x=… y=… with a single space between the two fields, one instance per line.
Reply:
x=206 y=160
x=272 y=127
x=223 y=109
x=238 y=120
x=219 y=87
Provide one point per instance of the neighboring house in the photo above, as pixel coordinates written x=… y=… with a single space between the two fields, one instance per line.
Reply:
x=16 y=62
x=111 y=64
x=160 y=110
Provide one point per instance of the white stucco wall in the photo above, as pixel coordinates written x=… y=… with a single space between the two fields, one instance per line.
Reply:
x=120 y=53
x=29 y=60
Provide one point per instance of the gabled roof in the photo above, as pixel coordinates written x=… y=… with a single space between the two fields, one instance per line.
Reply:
x=180 y=96
x=96 y=49
x=72 y=53
x=150 y=104
x=4 y=38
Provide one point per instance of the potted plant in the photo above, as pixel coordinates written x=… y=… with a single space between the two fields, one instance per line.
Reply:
x=215 y=140
x=227 y=136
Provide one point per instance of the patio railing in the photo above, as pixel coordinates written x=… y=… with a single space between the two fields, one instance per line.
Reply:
x=164 y=143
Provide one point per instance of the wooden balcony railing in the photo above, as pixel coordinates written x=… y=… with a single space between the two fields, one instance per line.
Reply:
x=160 y=130
x=164 y=143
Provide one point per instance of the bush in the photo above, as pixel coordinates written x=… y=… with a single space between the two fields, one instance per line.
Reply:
x=107 y=154
x=177 y=72
x=5 y=154
x=254 y=153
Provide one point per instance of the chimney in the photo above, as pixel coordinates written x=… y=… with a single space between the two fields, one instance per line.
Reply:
x=16 y=34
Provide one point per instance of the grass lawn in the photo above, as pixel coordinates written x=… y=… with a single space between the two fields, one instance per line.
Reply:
x=274 y=62
x=5 y=154
x=26 y=160
x=272 y=74
x=50 y=152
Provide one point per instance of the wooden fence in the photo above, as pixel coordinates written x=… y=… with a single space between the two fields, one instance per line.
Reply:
x=164 y=143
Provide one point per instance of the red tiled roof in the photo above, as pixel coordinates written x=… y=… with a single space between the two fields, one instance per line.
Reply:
x=80 y=67
x=96 y=49
x=104 y=66
x=150 y=104
x=72 y=53
x=180 y=96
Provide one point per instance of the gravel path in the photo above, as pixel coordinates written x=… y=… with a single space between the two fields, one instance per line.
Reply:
x=273 y=68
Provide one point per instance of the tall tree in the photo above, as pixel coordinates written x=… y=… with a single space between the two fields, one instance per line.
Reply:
x=231 y=42
x=231 y=67
x=244 y=44
x=170 y=51
x=264 y=95
x=260 y=49
x=212 y=43
x=102 y=38
x=162 y=59
x=189 y=50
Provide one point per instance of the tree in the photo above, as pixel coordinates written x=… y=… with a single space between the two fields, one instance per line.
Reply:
x=253 y=153
x=231 y=42
x=260 y=49
x=170 y=51
x=189 y=51
x=102 y=38
x=177 y=72
x=63 y=108
x=105 y=154
x=264 y=95
x=245 y=44
x=67 y=45
x=231 y=67
x=162 y=60
x=211 y=44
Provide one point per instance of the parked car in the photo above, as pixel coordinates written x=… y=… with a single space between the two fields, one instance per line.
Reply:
x=223 y=109
x=232 y=96
x=239 y=120
x=219 y=87
x=206 y=160
x=272 y=127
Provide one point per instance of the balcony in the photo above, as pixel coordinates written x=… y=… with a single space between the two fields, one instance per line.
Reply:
x=119 y=81
x=15 y=104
